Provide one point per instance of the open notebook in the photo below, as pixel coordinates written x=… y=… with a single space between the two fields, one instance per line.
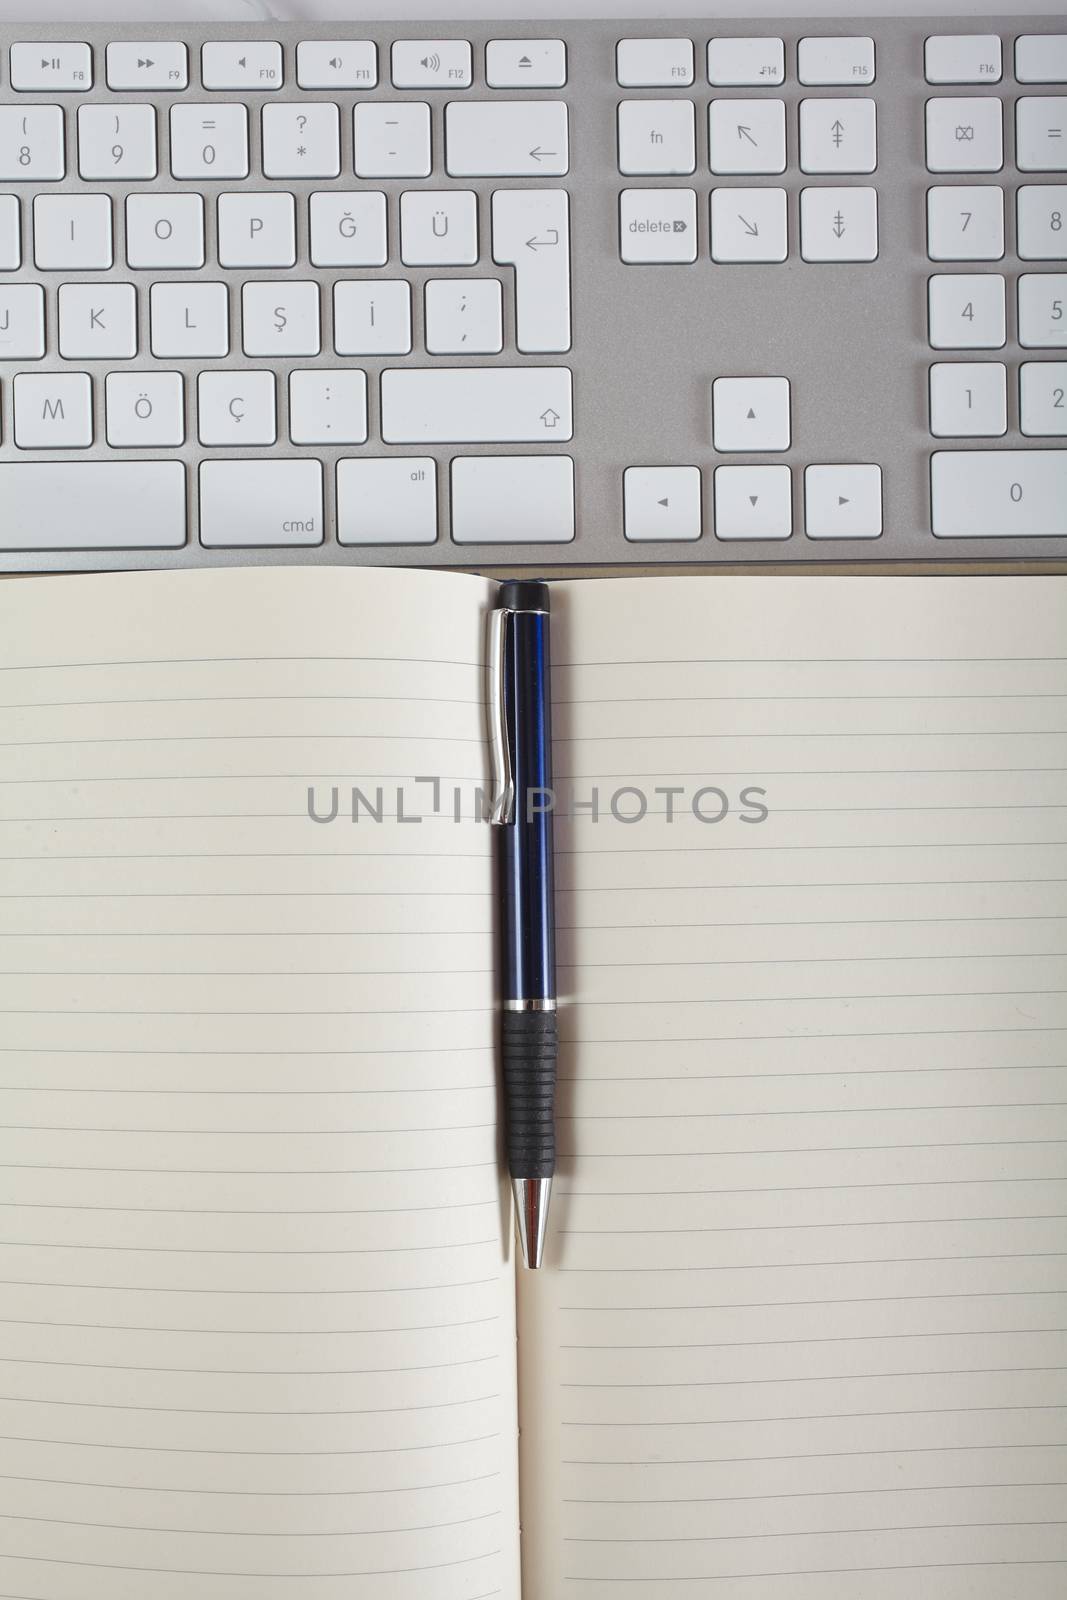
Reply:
x=801 y=1332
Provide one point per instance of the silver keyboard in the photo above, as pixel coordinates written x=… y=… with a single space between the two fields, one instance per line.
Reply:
x=570 y=293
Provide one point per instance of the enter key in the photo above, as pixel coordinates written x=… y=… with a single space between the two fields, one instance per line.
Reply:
x=531 y=232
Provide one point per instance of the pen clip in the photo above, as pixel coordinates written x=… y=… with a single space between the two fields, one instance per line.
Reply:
x=502 y=809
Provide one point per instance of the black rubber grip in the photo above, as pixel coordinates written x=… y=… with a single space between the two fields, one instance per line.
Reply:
x=530 y=1048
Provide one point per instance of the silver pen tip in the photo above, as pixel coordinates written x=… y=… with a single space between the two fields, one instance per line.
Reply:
x=531 y=1216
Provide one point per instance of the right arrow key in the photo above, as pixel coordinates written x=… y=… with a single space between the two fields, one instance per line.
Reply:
x=843 y=502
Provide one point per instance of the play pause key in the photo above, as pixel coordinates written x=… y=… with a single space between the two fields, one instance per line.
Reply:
x=662 y=502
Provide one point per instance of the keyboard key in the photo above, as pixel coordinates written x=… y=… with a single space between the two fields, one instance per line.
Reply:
x=209 y=141
x=10 y=234
x=839 y=224
x=242 y=64
x=255 y=502
x=50 y=68
x=1040 y=231
x=963 y=58
x=512 y=499
x=165 y=230
x=1043 y=310
x=189 y=320
x=160 y=64
x=464 y=316
x=328 y=407
x=72 y=233
x=336 y=64
x=122 y=505
x=348 y=229
x=301 y=139
x=531 y=232
x=506 y=138
x=372 y=319
x=475 y=405
x=748 y=225
x=280 y=319
x=968 y=399
x=21 y=322
x=750 y=414
x=965 y=135
x=656 y=137
x=439 y=228
x=526 y=63
x=992 y=494
x=661 y=503
x=825 y=61
x=117 y=142
x=1041 y=58
x=387 y=500
x=843 y=502
x=392 y=140
x=1043 y=398
x=236 y=408
x=97 y=321
x=746 y=136
x=965 y=222
x=740 y=63
x=53 y=411
x=753 y=503
x=145 y=410
x=967 y=311
x=431 y=64
x=657 y=225
x=654 y=63
x=256 y=230
x=31 y=144
x=838 y=136
x=1041 y=133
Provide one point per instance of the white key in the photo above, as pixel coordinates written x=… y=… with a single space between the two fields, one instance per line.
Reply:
x=431 y=64
x=372 y=319
x=336 y=64
x=843 y=502
x=1043 y=398
x=439 y=228
x=526 y=63
x=968 y=399
x=464 y=316
x=967 y=311
x=965 y=135
x=189 y=319
x=839 y=224
x=160 y=64
x=963 y=58
x=122 y=505
x=53 y=411
x=21 y=322
x=248 y=503
x=740 y=63
x=993 y=494
x=512 y=499
x=242 y=64
x=31 y=144
x=657 y=225
x=1040 y=233
x=257 y=230
x=387 y=500
x=661 y=503
x=72 y=233
x=145 y=410
x=475 y=405
x=750 y=413
x=97 y=321
x=654 y=63
x=838 y=136
x=348 y=229
x=753 y=503
x=209 y=141
x=236 y=408
x=328 y=407
x=531 y=232
x=656 y=137
x=280 y=319
x=10 y=234
x=301 y=139
x=965 y=222
x=824 y=61
x=1041 y=133
x=1041 y=58
x=392 y=140
x=49 y=67
x=1043 y=310
x=116 y=141
x=747 y=135
x=748 y=225
x=165 y=230
x=506 y=138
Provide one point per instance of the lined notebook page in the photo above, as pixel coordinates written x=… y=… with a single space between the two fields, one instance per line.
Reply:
x=256 y=1324
x=803 y=1333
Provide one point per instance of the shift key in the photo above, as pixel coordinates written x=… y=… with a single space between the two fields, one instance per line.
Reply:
x=476 y=405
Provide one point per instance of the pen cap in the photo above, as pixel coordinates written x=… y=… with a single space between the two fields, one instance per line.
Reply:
x=523 y=594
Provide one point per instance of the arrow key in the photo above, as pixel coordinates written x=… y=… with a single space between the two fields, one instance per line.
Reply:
x=753 y=503
x=843 y=502
x=839 y=224
x=746 y=135
x=750 y=413
x=748 y=225
x=662 y=502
